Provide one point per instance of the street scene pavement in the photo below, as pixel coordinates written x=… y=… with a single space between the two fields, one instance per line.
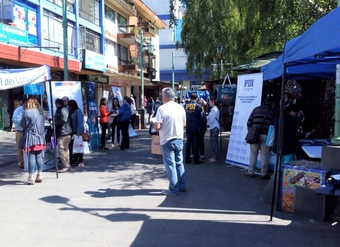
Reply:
x=115 y=200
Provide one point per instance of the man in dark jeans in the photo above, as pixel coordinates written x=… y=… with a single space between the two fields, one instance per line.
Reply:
x=194 y=116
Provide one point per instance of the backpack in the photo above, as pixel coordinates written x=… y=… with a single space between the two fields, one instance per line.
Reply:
x=225 y=118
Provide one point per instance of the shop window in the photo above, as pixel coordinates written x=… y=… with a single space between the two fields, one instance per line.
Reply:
x=110 y=14
x=6 y=13
x=89 y=10
x=53 y=32
x=89 y=40
x=122 y=24
x=122 y=55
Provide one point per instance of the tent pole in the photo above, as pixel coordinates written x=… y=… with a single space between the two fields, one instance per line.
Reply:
x=54 y=131
x=277 y=168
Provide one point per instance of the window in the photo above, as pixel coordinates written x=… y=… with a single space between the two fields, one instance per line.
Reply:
x=122 y=55
x=110 y=48
x=89 y=10
x=89 y=40
x=122 y=22
x=69 y=4
x=110 y=14
x=53 y=32
x=6 y=12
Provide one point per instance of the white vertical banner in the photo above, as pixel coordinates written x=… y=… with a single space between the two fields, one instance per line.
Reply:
x=248 y=96
x=106 y=94
x=70 y=89
x=117 y=93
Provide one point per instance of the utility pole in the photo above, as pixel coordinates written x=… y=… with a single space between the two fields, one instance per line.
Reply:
x=221 y=71
x=65 y=40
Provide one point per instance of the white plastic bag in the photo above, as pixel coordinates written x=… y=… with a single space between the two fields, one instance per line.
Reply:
x=132 y=133
x=86 y=148
x=78 y=147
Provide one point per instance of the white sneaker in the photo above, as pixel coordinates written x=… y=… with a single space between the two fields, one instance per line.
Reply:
x=202 y=157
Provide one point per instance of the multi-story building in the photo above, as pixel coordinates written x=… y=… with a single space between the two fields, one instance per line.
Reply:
x=173 y=58
x=32 y=35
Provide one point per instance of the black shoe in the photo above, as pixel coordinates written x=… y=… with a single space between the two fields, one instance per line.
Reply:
x=265 y=176
x=122 y=149
x=188 y=161
x=198 y=162
x=104 y=148
x=182 y=190
x=65 y=169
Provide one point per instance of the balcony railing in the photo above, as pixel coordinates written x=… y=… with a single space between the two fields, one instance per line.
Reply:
x=128 y=5
x=131 y=36
x=148 y=28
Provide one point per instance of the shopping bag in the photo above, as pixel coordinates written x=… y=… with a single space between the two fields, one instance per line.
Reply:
x=78 y=146
x=226 y=94
x=270 y=136
x=132 y=133
x=86 y=148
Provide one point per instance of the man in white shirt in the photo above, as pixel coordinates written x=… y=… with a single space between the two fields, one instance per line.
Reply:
x=133 y=111
x=16 y=119
x=170 y=121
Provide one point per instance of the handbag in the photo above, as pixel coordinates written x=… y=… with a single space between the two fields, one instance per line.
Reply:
x=22 y=141
x=85 y=136
x=252 y=136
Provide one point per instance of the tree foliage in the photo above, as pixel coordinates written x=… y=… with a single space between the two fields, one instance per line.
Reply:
x=237 y=31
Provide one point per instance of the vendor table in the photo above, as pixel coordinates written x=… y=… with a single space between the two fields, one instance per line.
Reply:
x=313 y=151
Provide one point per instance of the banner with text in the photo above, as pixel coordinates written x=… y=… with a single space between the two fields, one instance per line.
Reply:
x=117 y=93
x=248 y=96
x=70 y=89
x=92 y=115
x=12 y=78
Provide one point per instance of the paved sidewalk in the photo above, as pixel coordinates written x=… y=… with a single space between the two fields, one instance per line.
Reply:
x=115 y=201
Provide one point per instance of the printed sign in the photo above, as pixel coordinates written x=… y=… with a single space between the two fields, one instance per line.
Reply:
x=13 y=35
x=94 y=61
x=248 y=96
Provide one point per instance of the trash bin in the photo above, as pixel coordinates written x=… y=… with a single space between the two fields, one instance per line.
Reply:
x=141 y=113
x=2 y=120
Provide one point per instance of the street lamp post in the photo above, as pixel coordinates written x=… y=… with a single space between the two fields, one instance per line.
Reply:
x=65 y=40
x=173 y=72
x=142 y=67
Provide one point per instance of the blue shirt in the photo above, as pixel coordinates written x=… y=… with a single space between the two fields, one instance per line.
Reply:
x=17 y=116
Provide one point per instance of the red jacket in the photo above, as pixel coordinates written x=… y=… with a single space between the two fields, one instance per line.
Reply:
x=104 y=114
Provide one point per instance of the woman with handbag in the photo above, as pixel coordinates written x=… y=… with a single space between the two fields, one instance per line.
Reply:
x=214 y=127
x=104 y=120
x=124 y=119
x=77 y=120
x=114 y=124
x=33 y=139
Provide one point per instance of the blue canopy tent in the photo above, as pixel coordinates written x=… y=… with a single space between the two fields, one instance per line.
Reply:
x=313 y=54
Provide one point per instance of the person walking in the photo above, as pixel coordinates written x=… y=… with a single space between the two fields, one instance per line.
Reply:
x=170 y=121
x=77 y=120
x=262 y=116
x=32 y=123
x=16 y=119
x=133 y=110
x=114 y=125
x=149 y=108
x=104 y=120
x=214 y=127
x=63 y=126
x=124 y=119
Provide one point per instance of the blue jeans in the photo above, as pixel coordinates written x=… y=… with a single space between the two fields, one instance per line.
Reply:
x=173 y=162
x=35 y=157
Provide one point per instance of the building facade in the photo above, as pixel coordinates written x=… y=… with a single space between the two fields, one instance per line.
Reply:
x=103 y=40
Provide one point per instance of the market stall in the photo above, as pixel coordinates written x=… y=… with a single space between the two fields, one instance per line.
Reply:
x=314 y=54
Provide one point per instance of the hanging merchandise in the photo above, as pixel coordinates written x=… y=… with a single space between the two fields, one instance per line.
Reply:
x=293 y=88
x=226 y=93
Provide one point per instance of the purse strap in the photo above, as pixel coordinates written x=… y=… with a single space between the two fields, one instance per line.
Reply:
x=265 y=117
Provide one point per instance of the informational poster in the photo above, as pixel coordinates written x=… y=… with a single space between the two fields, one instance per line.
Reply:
x=70 y=89
x=92 y=115
x=117 y=93
x=32 y=22
x=19 y=16
x=248 y=96
x=105 y=94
